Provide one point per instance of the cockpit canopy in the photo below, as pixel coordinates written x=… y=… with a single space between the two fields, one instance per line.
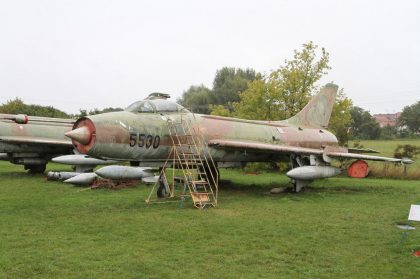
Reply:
x=155 y=106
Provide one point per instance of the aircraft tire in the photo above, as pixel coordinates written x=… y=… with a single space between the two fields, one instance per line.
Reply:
x=36 y=169
x=161 y=191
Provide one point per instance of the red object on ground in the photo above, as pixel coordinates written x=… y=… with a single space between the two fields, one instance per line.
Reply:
x=358 y=169
x=416 y=253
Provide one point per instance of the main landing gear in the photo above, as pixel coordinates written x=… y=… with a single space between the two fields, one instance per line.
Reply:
x=35 y=168
x=299 y=185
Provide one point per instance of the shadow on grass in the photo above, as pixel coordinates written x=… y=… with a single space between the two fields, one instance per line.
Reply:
x=20 y=174
x=253 y=187
x=332 y=187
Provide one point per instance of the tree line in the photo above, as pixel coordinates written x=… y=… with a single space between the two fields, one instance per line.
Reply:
x=275 y=95
x=281 y=93
x=17 y=106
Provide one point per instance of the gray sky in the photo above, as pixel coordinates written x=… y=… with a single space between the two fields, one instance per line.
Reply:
x=87 y=54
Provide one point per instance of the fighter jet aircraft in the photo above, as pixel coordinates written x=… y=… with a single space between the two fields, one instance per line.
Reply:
x=141 y=133
x=32 y=141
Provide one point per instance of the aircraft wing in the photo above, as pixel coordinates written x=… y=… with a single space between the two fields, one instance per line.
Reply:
x=344 y=155
x=263 y=147
x=337 y=153
x=361 y=150
x=35 y=141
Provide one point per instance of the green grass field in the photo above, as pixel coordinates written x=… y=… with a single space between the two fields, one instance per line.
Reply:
x=339 y=228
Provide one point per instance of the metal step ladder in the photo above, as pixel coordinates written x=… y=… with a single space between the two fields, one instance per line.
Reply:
x=190 y=155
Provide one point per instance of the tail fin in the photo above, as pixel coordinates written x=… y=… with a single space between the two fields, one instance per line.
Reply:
x=318 y=111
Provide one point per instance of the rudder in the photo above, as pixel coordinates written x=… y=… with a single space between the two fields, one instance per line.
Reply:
x=317 y=112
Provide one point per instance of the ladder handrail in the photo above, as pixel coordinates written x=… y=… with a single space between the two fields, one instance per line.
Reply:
x=190 y=155
x=215 y=181
x=187 y=170
x=194 y=149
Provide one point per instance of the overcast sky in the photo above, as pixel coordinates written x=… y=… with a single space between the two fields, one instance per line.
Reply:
x=87 y=54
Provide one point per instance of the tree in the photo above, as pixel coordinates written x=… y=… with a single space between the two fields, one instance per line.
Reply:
x=406 y=151
x=229 y=82
x=260 y=101
x=105 y=110
x=363 y=125
x=285 y=91
x=220 y=110
x=389 y=132
x=197 y=99
x=410 y=117
x=17 y=106
x=84 y=112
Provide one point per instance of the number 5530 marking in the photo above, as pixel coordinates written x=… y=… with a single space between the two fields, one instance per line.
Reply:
x=144 y=140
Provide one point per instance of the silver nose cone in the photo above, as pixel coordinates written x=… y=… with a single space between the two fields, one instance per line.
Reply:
x=82 y=135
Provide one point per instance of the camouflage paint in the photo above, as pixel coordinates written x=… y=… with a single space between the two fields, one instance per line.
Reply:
x=33 y=140
x=111 y=136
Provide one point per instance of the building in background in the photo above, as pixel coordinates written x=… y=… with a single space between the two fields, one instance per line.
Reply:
x=387 y=119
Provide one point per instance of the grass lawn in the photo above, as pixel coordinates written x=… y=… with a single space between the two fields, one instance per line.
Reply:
x=339 y=228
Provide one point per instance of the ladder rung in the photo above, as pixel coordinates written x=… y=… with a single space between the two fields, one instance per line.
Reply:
x=188 y=145
x=200 y=197
x=190 y=153
x=200 y=182
x=178 y=179
x=190 y=163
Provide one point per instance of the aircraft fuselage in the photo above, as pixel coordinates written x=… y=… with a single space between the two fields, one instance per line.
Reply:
x=145 y=137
